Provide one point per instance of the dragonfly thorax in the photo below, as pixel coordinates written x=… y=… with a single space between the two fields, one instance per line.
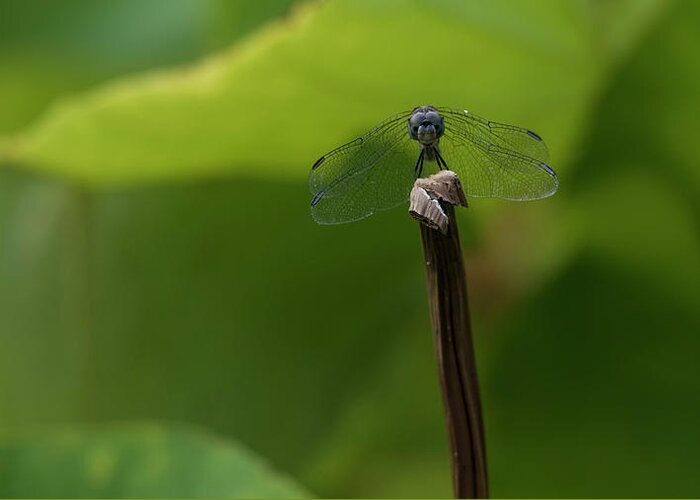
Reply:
x=425 y=125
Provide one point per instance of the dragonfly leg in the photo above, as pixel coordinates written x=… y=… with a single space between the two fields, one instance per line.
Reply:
x=440 y=160
x=418 y=169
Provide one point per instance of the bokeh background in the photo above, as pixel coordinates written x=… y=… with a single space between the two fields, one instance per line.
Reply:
x=172 y=323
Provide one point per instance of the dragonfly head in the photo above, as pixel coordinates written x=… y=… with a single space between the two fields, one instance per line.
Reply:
x=425 y=125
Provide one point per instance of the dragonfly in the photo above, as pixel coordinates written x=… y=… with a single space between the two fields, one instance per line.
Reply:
x=377 y=170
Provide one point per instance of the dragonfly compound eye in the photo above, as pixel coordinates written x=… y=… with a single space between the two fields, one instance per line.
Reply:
x=414 y=124
x=434 y=118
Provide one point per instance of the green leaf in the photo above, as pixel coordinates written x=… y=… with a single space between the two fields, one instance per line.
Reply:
x=51 y=50
x=142 y=461
x=273 y=103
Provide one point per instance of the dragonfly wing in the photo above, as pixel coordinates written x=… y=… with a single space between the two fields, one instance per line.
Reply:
x=521 y=140
x=374 y=172
x=495 y=159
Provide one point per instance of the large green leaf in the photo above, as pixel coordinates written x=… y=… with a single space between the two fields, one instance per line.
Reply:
x=142 y=461
x=273 y=103
x=52 y=50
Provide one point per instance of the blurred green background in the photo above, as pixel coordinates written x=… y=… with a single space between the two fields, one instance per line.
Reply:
x=172 y=323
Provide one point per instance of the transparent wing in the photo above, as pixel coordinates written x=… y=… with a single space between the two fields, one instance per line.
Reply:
x=495 y=159
x=373 y=172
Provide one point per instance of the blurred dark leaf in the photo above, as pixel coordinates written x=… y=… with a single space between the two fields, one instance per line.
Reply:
x=135 y=461
x=637 y=223
x=591 y=395
x=122 y=297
